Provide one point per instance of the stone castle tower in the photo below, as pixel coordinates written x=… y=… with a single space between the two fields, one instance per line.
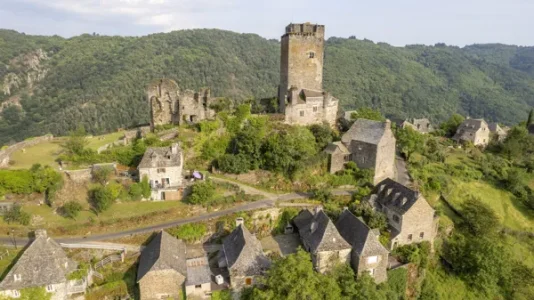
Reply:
x=300 y=93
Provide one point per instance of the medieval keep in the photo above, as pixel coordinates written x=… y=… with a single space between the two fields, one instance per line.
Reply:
x=170 y=105
x=163 y=167
x=370 y=144
x=300 y=94
x=410 y=218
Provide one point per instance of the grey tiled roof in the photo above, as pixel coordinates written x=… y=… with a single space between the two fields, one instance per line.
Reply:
x=318 y=232
x=333 y=147
x=364 y=130
x=44 y=262
x=198 y=271
x=164 y=252
x=394 y=196
x=358 y=234
x=244 y=254
x=161 y=157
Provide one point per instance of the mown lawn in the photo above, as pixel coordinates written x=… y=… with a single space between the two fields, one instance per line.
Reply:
x=7 y=258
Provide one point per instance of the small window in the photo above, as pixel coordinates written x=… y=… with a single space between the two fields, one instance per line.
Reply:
x=198 y=286
x=17 y=277
x=161 y=170
x=302 y=113
x=346 y=157
x=49 y=288
x=422 y=235
x=372 y=272
x=409 y=237
x=16 y=293
x=372 y=259
x=248 y=281
x=311 y=55
x=396 y=218
x=315 y=108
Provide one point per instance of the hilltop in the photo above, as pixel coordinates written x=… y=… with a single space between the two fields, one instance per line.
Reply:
x=52 y=84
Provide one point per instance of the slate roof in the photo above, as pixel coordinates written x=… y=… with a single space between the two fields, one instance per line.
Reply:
x=422 y=125
x=244 y=253
x=394 y=196
x=44 y=262
x=318 y=232
x=358 y=234
x=364 y=130
x=164 y=252
x=198 y=271
x=161 y=157
x=493 y=127
x=335 y=146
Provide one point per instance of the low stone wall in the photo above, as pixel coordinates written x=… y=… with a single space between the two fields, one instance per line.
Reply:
x=5 y=154
x=79 y=176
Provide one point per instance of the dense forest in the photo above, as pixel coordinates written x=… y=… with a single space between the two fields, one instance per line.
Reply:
x=52 y=84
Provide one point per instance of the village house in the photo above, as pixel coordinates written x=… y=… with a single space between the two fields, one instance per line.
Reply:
x=368 y=254
x=198 y=282
x=370 y=144
x=475 y=131
x=162 y=268
x=170 y=105
x=421 y=125
x=163 y=167
x=410 y=218
x=300 y=94
x=321 y=238
x=497 y=132
x=242 y=254
x=43 y=264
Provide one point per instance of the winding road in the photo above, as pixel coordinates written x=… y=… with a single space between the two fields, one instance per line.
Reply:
x=270 y=201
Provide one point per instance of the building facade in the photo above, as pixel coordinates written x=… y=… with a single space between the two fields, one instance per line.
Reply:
x=198 y=282
x=170 y=105
x=421 y=125
x=300 y=93
x=410 y=218
x=321 y=238
x=370 y=144
x=163 y=167
x=368 y=254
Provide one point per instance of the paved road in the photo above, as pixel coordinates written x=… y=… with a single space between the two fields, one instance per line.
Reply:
x=270 y=201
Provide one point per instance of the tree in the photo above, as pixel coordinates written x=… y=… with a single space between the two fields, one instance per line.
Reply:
x=136 y=191
x=145 y=187
x=235 y=164
x=530 y=119
x=202 y=192
x=15 y=214
x=293 y=278
x=76 y=142
x=451 y=125
x=478 y=218
x=367 y=113
x=101 y=198
x=323 y=135
x=410 y=141
x=71 y=209
x=190 y=232
x=102 y=174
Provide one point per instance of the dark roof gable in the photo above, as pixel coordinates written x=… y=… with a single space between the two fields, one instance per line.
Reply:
x=164 y=252
x=244 y=253
x=318 y=232
x=358 y=234
x=364 y=130
x=394 y=195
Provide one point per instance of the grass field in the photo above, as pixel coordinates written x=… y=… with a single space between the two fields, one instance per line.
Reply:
x=47 y=153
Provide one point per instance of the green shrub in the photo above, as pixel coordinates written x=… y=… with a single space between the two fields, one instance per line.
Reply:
x=235 y=164
x=201 y=192
x=190 y=232
x=136 y=191
x=15 y=214
x=71 y=209
x=101 y=198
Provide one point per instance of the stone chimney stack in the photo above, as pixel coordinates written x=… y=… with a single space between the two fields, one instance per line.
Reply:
x=239 y=221
x=175 y=148
x=318 y=208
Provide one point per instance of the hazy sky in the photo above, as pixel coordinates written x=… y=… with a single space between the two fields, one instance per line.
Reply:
x=398 y=22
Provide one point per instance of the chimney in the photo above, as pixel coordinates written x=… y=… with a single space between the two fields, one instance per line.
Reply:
x=294 y=94
x=40 y=233
x=387 y=124
x=174 y=148
x=317 y=209
x=239 y=221
x=345 y=208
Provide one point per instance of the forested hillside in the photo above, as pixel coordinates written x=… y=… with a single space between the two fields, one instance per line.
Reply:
x=51 y=84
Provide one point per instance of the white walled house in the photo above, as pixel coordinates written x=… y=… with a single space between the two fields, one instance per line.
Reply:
x=163 y=167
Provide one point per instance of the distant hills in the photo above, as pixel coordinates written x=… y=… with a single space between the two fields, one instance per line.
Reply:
x=51 y=84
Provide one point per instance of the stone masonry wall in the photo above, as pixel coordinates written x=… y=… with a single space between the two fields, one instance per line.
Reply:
x=419 y=219
x=325 y=260
x=157 y=284
x=173 y=173
x=385 y=158
x=360 y=265
x=5 y=154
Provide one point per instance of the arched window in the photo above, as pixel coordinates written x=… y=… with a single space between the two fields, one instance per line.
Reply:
x=311 y=54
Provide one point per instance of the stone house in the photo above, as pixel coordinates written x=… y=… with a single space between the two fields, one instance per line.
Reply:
x=421 y=125
x=497 y=132
x=370 y=144
x=162 y=268
x=242 y=254
x=321 y=238
x=170 y=105
x=43 y=264
x=198 y=282
x=163 y=166
x=475 y=131
x=410 y=218
x=300 y=94
x=368 y=254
